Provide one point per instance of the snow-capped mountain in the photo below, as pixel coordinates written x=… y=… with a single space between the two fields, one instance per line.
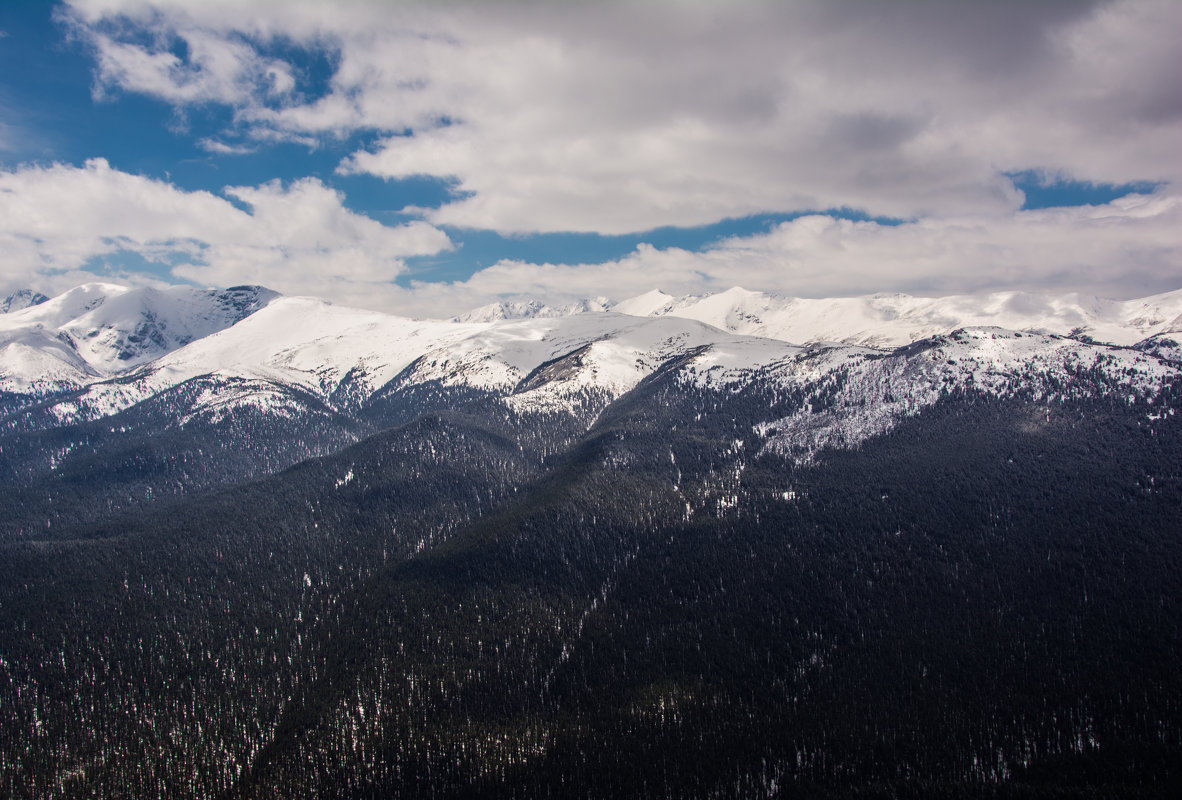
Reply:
x=531 y=309
x=291 y=343
x=206 y=498
x=98 y=350
x=541 y=363
x=21 y=299
x=867 y=393
x=318 y=348
x=98 y=330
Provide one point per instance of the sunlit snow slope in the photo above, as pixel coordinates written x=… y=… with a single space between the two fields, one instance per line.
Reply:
x=100 y=330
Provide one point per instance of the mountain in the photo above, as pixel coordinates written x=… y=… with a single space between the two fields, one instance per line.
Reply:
x=530 y=309
x=654 y=303
x=882 y=320
x=897 y=319
x=318 y=551
x=21 y=299
x=105 y=333
x=296 y=378
x=99 y=330
x=342 y=356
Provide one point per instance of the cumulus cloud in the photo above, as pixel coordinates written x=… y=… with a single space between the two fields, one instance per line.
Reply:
x=298 y=238
x=624 y=117
x=185 y=66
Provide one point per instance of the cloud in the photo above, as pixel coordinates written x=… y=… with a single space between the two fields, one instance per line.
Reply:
x=181 y=66
x=624 y=117
x=1126 y=248
x=297 y=238
x=221 y=148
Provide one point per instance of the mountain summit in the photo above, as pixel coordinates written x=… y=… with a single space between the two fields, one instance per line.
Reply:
x=21 y=299
x=100 y=330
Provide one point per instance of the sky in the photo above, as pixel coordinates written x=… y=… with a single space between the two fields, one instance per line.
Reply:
x=428 y=158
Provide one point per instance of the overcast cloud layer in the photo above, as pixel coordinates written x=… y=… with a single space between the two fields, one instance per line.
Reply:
x=613 y=118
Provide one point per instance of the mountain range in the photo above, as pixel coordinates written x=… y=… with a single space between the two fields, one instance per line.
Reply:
x=99 y=350
x=737 y=545
x=100 y=332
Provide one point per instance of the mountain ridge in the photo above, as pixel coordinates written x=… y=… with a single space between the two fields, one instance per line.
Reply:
x=894 y=319
x=101 y=331
x=97 y=331
x=99 y=349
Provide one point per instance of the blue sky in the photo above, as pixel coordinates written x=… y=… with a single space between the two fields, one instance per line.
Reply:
x=427 y=158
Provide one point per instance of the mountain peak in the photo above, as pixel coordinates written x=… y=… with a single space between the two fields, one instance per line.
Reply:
x=20 y=300
x=529 y=309
x=100 y=329
x=649 y=304
x=504 y=309
x=739 y=291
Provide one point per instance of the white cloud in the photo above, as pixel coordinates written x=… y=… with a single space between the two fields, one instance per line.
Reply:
x=297 y=238
x=215 y=69
x=624 y=117
x=221 y=148
x=1123 y=249
x=619 y=117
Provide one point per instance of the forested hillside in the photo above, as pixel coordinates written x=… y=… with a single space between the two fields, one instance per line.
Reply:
x=634 y=598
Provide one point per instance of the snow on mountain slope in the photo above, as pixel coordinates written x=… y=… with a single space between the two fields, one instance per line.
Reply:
x=1166 y=346
x=37 y=360
x=313 y=346
x=856 y=395
x=493 y=312
x=542 y=363
x=99 y=330
x=616 y=357
x=529 y=309
x=296 y=342
x=654 y=303
x=36 y=354
x=20 y=300
x=120 y=346
x=896 y=319
x=1153 y=316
